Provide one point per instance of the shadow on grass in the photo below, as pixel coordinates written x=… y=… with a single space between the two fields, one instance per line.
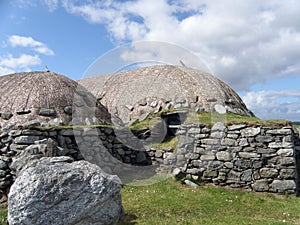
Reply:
x=128 y=219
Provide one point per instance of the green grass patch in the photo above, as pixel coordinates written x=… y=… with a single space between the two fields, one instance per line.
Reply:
x=232 y=118
x=139 y=125
x=168 y=143
x=150 y=181
x=3 y=213
x=170 y=202
x=211 y=118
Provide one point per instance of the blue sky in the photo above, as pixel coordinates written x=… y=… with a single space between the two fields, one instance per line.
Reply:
x=252 y=45
x=75 y=43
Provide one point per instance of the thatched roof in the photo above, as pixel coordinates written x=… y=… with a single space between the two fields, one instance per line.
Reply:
x=41 y=96
x=133 y=93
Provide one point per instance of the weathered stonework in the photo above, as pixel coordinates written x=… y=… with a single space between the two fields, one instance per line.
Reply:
x=46 y=98
x=98 y=145
x=255 y=158
x=133 y=94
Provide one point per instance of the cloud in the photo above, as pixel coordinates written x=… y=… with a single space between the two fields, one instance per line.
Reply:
x=21 y=41
x=5 y=70
x=51 y=5
x=10 y=64
x=111 y=13
x=133 y=55
x=23 y=3
x=24 y=62
x=243 y=42
x=274 y=104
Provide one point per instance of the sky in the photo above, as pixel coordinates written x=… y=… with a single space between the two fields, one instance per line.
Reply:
x=252 y=45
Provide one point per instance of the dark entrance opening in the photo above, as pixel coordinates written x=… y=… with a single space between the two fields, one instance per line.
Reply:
x=173 y=120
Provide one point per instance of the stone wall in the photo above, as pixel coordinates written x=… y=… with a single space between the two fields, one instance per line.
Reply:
x=13 y=143
x=257 y=158
x=97 y=145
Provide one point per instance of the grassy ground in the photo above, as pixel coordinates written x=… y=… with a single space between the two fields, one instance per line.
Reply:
x=3 y=213
x=169 y=202
x=170 y=142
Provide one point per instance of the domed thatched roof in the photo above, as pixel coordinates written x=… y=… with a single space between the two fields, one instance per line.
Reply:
x=41 y=96
x=131 y=94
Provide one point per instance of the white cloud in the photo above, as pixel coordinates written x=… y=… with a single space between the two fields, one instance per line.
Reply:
x=228 y=61
x=5 y=70
x=24 y=62
x=274 y=104
x=10 y=64
x=112 y=14
x=244 y=42
x=21 y=41
x=51 y=4
x=144 y=53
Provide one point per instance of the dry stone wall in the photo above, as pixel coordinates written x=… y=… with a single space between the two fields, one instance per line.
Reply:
x=257 y=158
x=15 y=142
x=18 y=147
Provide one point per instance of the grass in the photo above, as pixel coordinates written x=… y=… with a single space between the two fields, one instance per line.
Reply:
x=149 y=121
x=169 y=202
x=232 y=118
x=210 y=118
x=169 y=143
x=151 y=180
x=3 y=213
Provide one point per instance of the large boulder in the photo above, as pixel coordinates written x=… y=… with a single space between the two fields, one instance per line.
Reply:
x=56 y=190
